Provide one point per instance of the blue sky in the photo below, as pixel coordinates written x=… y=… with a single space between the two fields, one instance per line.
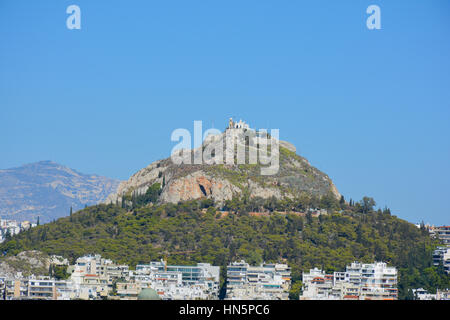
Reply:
x=371 y=108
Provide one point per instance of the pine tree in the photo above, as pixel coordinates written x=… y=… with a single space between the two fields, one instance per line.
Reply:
x=342 y=202
x=133 y=200
x=37 y=222
x=8 y=235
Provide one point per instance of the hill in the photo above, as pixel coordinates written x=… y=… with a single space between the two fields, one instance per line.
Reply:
x=151 y=232
x=222 y=182
x=47 y=189
x=219 y=213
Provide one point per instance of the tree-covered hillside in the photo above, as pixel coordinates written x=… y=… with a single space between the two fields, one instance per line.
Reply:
x=196 y=231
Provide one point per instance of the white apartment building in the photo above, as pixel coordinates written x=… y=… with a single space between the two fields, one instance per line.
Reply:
x=93 y=276
x=35 y=288
x=2 y=288
x=264 y=282
x=179 y=282
x=374 y=281
x=13 y=227
x=443 y=294
x=446 y=261
x=438 y=255
x=319 y=286
x=422 y=294
x=442 y=255
x=442 y=233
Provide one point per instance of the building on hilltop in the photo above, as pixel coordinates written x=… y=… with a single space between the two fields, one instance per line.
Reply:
x=237 y=125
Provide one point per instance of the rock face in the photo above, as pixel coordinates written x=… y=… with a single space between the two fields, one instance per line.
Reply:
x=222 y=182
x=198 y=185
x=48 y=190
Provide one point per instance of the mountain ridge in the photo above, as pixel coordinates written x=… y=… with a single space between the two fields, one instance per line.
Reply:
x=47 y=189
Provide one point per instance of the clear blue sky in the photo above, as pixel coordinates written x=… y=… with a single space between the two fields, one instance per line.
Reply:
x=369 y=108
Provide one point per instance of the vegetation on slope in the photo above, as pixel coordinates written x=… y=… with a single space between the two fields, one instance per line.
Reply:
x=195 y=231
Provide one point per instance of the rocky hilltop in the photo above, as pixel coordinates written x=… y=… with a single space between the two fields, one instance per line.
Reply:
x=221 y=182
x=47 y=189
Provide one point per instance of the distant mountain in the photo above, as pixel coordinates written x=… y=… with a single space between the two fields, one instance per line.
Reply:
x=48 y=190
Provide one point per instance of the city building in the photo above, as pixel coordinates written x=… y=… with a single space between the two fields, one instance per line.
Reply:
x=442 y=256
x=446 y=261
x=173 y=282
x=443 y=233
x=264 y=282
x=93 y=276
x=374 y=281
x=443 y=294
x=13 y=227
x=422 y=294
x=35 y=288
